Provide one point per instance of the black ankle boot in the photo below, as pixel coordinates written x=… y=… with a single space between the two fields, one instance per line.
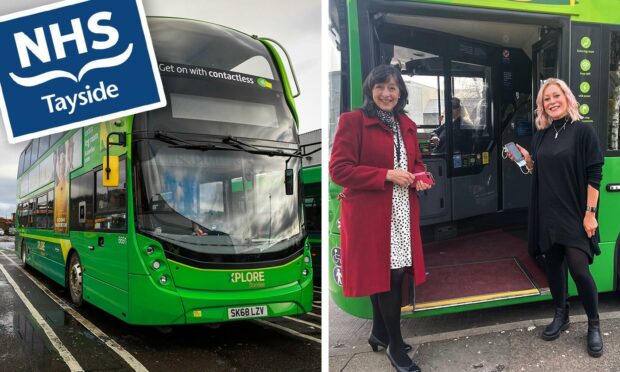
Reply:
x=375 y=342
x=560 y=323
x=595 y=341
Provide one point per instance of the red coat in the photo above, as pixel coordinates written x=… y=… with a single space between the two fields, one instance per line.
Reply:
x=362 y=153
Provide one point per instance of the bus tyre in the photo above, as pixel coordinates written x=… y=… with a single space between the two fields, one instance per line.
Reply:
x=24 y=264
x=74 y=280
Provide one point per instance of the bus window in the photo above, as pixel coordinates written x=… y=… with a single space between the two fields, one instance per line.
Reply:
x=20 y=214
x=82 y=189
x=426 y=108
x=34 y=155
x=471 y=131
x=613 y=118
x=46 y=170
x=50 y=209
x=44 y=144
x=28 y=159
x=227 y=201
x=20 y=167
x=55 y=137
x=111 y=203
x=312 y=207
x=258 y=66
x=212 y=204
x=35 y=180
x=40 y=214
x=211 y=108
x=31 y=211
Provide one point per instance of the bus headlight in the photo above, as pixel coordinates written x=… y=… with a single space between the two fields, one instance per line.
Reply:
x=306 y=259
x=163 y=279
x=305 y=272
x=150 y=250
x=156 y=265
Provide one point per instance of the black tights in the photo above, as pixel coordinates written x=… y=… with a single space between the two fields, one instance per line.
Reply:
x=386 y=316
x=578 y=264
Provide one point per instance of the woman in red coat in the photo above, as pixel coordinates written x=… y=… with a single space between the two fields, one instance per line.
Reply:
x=376 y=158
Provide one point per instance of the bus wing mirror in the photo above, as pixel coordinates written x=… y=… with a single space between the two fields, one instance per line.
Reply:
x=111 y=163
x=111 y=174
x=288 y=181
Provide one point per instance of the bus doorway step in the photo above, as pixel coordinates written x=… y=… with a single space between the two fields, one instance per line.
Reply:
x=474 y=282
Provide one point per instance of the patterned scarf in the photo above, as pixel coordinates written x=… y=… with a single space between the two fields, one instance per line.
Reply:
x=388 y=119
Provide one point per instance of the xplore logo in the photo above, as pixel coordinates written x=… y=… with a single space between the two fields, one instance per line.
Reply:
x=75 y=63
x=247 y=277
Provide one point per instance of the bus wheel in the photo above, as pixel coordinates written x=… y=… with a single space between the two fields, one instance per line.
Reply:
x=75 y=280
x=24 y=264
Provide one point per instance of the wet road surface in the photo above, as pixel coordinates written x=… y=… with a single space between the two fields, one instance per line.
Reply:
x=286 y=343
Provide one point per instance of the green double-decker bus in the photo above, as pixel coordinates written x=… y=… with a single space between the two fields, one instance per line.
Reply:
x=195 y=214
x=481 y=62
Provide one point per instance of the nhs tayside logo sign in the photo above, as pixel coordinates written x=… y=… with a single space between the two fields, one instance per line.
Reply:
x=75 y=63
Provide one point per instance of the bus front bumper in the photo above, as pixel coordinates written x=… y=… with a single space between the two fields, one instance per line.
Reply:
x=160 y=306
x=208 y=306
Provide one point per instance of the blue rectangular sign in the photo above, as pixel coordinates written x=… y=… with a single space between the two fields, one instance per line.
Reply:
x=75 y=63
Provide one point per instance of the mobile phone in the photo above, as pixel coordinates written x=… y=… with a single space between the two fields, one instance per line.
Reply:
x=516 y=154
x=426 y=177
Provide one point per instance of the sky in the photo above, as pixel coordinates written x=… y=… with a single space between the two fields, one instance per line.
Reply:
x=297 y=28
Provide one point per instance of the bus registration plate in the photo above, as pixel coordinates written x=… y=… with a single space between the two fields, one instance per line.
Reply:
x=247 y=312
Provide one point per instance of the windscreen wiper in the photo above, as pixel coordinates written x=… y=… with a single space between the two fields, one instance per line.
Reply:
x=165 y=137
x=176 y=142
x=236 y=143
x=233 y=141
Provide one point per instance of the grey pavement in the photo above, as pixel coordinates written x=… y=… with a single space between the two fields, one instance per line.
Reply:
x=509 y=346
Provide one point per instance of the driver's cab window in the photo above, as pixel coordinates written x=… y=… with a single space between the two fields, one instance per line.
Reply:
x=427 y=109
x=423 y=76
x=471 y=129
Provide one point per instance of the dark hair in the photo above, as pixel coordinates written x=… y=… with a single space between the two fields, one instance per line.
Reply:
x=456 y=103
x=378 y=75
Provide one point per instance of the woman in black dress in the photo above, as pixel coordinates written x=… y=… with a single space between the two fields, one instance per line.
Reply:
x=566 y=164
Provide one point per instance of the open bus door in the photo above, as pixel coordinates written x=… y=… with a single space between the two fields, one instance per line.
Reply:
x=545 y=59
x=467 y=103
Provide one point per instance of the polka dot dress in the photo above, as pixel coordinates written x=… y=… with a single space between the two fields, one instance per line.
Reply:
x=400 y=229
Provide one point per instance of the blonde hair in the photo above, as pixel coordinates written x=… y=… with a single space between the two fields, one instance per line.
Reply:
x=543 y=120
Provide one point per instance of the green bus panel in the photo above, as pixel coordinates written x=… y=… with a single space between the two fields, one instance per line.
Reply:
x=311 y=174
x=44 y=253
x=105 y=296
x=609 y=202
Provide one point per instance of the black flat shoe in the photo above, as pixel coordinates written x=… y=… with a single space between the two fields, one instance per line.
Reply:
x=411 y=367
x=375 y=343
